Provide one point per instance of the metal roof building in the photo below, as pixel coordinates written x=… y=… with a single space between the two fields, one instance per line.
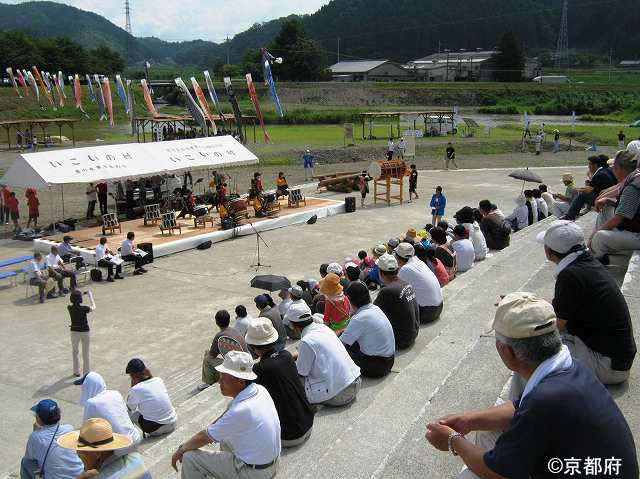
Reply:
x=368 y=70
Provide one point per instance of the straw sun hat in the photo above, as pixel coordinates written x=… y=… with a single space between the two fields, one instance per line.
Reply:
x=95 y=435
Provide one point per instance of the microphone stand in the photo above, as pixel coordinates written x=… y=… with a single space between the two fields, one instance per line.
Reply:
x=259 y=238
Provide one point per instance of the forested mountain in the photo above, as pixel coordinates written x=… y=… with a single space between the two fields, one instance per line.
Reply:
x=400 y=30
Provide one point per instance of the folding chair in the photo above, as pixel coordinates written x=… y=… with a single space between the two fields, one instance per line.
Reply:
x=169 y=223
x=111 y=223
x=295 y=198
x=152 y=214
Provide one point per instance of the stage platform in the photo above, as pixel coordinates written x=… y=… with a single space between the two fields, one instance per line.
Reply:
x=85 y=240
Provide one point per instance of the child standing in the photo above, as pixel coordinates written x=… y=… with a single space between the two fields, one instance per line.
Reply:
x=12 y=205
x=363 y=186
x=413 y=182
x=438 y=203
x=34 y=207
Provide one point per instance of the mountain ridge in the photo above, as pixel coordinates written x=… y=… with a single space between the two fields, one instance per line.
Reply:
x=400 y=30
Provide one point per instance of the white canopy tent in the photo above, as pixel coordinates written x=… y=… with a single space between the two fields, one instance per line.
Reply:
x=132 y=160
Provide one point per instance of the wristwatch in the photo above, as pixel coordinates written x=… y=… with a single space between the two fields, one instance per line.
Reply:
x=452 y=436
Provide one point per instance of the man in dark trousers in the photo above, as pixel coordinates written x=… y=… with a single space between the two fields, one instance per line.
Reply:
x=277 y=372
x=450 y=156
x=102 y=197
x=593 y=316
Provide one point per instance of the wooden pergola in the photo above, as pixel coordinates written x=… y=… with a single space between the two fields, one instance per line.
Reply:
x=186 y=121
x=429 y=117
x=28 y=127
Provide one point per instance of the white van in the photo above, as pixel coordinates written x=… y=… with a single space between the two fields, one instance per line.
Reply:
x=557 y=79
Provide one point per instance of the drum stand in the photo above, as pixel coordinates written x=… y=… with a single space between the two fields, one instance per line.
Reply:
x=259 y=238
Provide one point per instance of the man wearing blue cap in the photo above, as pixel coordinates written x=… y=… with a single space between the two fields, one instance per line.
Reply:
x=43 y=455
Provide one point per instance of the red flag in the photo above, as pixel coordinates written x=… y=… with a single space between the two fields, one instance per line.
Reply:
x=203 y=104
x=43 y=86
x=256 y=106
x=147 y=98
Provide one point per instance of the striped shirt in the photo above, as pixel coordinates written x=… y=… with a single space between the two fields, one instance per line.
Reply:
x=629 y=201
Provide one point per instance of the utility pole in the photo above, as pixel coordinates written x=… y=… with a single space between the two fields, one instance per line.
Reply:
x=338 y=50
x=228 y=54
x=610 y=62
x=562 y=48
x=127 y=13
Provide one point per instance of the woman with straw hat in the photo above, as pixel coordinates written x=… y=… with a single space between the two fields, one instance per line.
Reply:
x=98 y=446
x=337 y=308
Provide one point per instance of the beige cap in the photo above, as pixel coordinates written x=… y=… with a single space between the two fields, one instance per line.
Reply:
x=523 y=315
x=238 y=364
x=567 y=177
x=404 y=251
x=388 y=263
x=261 y=332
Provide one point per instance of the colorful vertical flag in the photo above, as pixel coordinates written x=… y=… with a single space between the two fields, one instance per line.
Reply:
x=256 y=105
x=234 y=104
x=92 y=92
x=195 y=110
x=100 y=98
x=77 y=93
x=12 y=79
x=202 y=100
x=43 y=86
x=58 y=89
x=108 y=101
x=23 y=82
x=214 y=96
x=33 y=84
x=267 y=60
x=61 y=83
x=122 y=93
x=147 y=98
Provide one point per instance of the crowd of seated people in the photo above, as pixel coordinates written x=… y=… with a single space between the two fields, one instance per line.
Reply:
x=351 y=323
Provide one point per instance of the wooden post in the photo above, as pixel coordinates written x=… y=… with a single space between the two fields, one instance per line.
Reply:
x=73 y=134
x=375 y=191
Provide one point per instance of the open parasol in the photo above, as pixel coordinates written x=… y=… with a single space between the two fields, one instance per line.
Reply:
x=526 y=175
x=270 y=282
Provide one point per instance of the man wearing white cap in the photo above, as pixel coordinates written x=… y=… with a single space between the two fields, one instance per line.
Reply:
x=277 y=372
x=296 y=307
x=329 y=374
x=248 y=431
x=564 y=411
x=424 y=282
x=593 y=316
x=309 y=161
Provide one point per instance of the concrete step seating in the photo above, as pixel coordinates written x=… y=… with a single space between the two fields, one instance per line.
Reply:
x=453 y=366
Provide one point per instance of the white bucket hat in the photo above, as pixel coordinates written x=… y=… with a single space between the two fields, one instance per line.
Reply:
x=239 y=365
x=261 y=332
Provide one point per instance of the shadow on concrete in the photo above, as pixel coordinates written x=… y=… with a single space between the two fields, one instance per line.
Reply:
x=52 y=389
x=618 y=390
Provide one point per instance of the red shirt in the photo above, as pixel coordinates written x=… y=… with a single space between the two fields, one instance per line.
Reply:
x=5 y=194
x=336 y=311
x=33 y=203
x=102 y=188
x=441 y=272
x=12 y=204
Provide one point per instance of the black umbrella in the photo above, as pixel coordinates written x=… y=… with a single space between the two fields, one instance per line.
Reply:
x=270 y=282
x=526 y=175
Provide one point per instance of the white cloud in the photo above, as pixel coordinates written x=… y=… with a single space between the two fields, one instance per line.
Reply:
x=192 y=19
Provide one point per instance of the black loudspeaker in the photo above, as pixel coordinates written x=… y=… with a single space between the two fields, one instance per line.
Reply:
x=96 y=275
x=312 y=220
x=205 y=245
x=147 y=247
x=350 y=204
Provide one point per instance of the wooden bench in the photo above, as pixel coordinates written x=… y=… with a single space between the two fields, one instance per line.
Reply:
x=111 y=223
x=296 y=198
x=152 y=214
x=169 y=223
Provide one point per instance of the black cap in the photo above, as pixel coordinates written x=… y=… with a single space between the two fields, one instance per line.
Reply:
x=67 y=238
x=136 y=365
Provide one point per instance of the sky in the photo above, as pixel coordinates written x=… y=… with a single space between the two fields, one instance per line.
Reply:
x=178 y=20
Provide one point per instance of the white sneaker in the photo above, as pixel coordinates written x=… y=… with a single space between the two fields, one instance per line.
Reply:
x=203 y=386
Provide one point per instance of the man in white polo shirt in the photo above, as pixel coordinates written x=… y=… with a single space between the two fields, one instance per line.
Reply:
x=58 y=271
x=369 y=336
x=330 y=376
x=424 y=282
x=248 y=431
x=37 y=278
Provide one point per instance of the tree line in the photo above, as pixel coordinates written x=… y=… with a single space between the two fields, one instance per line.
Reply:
x=20 y=50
